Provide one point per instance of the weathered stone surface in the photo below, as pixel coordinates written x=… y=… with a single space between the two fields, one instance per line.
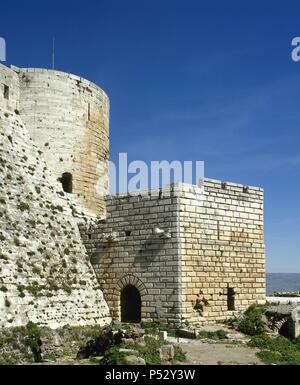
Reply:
x=133 y=332
x=131 y=360
x=163 y=335
x=295 y=325
x=212 y=266
x=194 y=255
x=129 y=351
x=166 y=353
x=45 y=274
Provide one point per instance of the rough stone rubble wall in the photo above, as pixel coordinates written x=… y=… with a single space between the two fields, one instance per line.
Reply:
x=222 y=247
x=141 y=257
x=45 y=274
x=10 y=79
x=68 y=118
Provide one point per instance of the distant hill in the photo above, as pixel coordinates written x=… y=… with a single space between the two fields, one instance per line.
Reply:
x=283 y=282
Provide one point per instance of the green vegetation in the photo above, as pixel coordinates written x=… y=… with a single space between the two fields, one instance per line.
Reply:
x=23 y=206
x=251 y=323
x=155 y=327
x=217 y=335
x=150 y=327
x=67 y=251
x=17 y=241
x=112 y=356
x=36 y=270
x=149 y=352
x=33 y=340
x=7 y=302
x=4 y=289
x=2 y=162
x=279 y=350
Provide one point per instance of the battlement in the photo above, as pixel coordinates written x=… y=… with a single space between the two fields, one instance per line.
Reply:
x=210 y=186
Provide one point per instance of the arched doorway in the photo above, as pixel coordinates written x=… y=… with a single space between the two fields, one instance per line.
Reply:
x=130 y=304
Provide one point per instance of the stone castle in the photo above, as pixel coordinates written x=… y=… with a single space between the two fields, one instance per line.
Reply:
x=72 y=254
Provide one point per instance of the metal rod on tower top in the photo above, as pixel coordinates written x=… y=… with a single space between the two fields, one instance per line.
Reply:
x=53 y=54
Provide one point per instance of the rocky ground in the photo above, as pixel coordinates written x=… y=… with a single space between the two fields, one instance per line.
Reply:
x=256 y=337
x=231 y=351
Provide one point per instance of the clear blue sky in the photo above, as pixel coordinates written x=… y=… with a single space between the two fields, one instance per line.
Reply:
x=187 y=80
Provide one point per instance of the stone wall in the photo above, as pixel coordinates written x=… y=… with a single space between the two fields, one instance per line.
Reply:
x=68 y=118
x=45 y=273
x=9 y=89
x=222 y=250
x=212 y=262
x=125 y=249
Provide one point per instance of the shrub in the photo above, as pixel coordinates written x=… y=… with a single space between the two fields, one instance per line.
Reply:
x=279 y=350
x=252 y=323
x=23 y=206
x=150 y=352
x=33 y=340
x=112 y=356
x=4 y=289
x=150 y=327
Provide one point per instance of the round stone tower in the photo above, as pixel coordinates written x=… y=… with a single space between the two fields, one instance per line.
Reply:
x=68 y=119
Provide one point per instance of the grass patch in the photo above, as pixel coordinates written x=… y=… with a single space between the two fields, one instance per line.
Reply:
x=217 y=335
x=149 y=352
x=251 y=323
x=279 y=350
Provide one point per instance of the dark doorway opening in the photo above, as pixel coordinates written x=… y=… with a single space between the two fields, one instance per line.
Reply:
x=230 y=298
x=130 y=304
x=67 y=182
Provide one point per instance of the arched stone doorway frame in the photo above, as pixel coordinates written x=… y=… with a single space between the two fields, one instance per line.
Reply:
x=130 y=279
